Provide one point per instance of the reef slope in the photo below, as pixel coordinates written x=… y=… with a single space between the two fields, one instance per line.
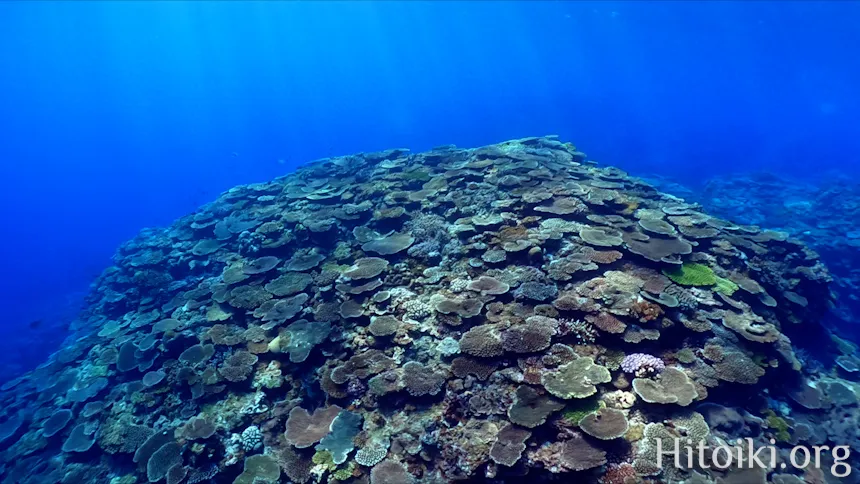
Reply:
x=391 y=317
x=821 y=212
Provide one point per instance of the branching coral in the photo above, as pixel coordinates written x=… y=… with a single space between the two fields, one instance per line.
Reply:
x=584 y=332
x=641 y=364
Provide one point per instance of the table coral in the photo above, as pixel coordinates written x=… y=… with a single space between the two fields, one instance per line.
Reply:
x=577 y=379
x=671 y=386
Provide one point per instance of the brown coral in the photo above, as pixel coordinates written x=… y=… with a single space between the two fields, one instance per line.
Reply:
x=509 y=445
x=530 y=408
x=463 y=366
x=533 y=335
x=484 y=341
x=306 y=429
x=605 y=424
x=578 y=454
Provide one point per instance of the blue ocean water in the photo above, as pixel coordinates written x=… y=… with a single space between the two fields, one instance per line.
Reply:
x=122 y=115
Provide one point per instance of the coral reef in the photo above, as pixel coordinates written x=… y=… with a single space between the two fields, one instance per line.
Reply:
x=493 y=314
x=821 y=210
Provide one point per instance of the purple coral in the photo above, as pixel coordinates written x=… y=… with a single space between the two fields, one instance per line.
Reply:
x=641 y=364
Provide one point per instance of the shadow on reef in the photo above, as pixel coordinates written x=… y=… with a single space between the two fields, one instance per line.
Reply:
x=489 y=315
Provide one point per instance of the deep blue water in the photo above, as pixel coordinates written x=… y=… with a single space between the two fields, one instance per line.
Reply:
x=117 y=116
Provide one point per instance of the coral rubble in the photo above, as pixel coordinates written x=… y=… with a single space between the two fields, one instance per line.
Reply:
x=459 y=314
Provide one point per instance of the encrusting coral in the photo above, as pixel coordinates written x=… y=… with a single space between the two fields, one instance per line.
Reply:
x=459 y=314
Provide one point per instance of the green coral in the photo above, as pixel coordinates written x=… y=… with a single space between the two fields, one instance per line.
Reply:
x=725 y=286
x=97 y=370
x=332 y=267
x=578 y=409
x=344 y=473
x=686 y=356
x=324 y=459
x=341 y=251
x=691 y=274
x=778 y=425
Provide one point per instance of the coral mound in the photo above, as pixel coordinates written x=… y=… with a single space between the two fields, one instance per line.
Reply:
x=450 y=315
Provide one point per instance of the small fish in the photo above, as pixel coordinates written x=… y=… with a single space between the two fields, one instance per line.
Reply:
x=234 y=154
x=35 y=324
x=282 y=161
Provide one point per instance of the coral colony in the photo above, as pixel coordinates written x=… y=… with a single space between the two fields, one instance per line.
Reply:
x=494 y=314
x=821 y=212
